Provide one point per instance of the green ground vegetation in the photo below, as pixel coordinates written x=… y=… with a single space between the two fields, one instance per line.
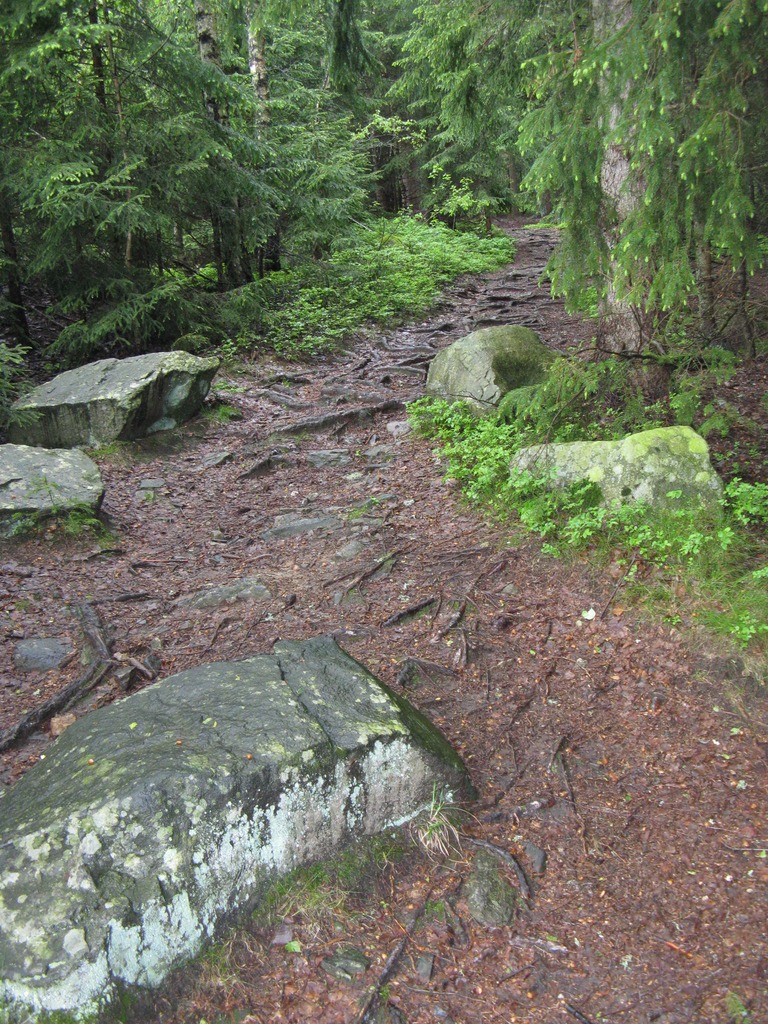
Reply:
x=717 y=556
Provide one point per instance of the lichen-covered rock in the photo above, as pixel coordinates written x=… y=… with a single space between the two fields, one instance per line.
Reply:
x=41 y=482
x=640 y=467
x=485 y=365
x=154 y=819
x=115 y=399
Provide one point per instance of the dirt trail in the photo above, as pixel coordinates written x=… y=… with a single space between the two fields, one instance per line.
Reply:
x=597 y=739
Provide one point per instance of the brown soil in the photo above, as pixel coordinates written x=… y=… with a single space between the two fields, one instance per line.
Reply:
x=636 y=764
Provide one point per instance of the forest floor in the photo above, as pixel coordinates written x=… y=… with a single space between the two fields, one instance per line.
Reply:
x=633 y=754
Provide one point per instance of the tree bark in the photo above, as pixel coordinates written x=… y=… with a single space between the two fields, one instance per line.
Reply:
x=621 y=324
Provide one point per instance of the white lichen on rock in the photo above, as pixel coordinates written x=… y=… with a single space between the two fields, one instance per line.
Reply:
x=115 y=878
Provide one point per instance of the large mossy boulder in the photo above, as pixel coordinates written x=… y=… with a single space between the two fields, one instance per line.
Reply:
x=44 y=482
x=114 y=399
x=640 y=467
x=483 y=366
x=154 y=820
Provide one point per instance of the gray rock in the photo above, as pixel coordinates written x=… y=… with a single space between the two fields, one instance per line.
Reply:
x=350 y=550
x=249 y=588
x=398 y=428
x=36 y=481
x=41 y=654
x=485 y=365
x=292 y=524
x=329 y=457
x=424 y=967
x=216 y=459
x=155 y=819
x=490 y=897
x=537 y=857
x=346 y=964
x=152 y=484
x=379 y=453
x=640 y=467
x=115 y=399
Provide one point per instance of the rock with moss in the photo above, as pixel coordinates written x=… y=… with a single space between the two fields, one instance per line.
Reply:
x=153 y=821
x=648 y=467
x=114 y=399
x=38 y=482
x=482 y=367
x=491 y=899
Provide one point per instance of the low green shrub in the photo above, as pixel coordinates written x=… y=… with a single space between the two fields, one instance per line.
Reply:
x=715 y=548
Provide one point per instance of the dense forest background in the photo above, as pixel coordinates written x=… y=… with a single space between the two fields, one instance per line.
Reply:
x=225 y=174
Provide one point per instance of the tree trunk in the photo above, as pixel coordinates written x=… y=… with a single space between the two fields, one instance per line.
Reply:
x=225 y=218
x=268 y=255
x=208 y=47
x=18 y=317
x=621 y=324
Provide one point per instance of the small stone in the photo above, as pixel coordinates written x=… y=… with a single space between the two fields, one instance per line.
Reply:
x=247 y=589
x=328 y=457
x=41 y=654
x=399 y=428
x=379 y=453
x=350 y=550
x=491 y=899
x=346 y=964
x=216 y=459
x=283 y=935
x=537 y=857
x=151 y=484
x=511 y=589
x=61 y=722
x=424 y=967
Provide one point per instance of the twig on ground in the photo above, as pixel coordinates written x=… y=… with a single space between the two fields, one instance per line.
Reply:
x=577 y=1014
x=616 y=589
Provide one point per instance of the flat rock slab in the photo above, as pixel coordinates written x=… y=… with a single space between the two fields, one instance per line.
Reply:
x=154 y=820
x=648 y=466
x=292 y=524
x=483 y=366
x=329 y=457
x=115 y=399
x=249 y=588
x=43 y=482
x=41 y=654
